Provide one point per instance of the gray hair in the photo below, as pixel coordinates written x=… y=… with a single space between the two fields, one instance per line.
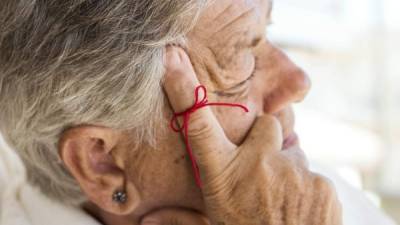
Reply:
x=69 y=62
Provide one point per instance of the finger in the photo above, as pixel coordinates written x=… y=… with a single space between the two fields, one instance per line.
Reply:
x=206 y=137
x=174 y=217
x=264 y=138
x=296 y=156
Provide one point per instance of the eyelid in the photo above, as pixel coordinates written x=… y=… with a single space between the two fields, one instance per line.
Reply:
x=231 y=91
x=255 y=68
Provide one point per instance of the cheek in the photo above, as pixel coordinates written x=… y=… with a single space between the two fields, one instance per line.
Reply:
x=235 y=122
x=164 y=175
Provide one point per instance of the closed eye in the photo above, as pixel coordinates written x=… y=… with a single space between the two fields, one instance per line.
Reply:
x=230 y=92
x=255 y=68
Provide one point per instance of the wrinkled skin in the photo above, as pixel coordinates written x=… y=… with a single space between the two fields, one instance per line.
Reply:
x=248 y=179
x=256 y=182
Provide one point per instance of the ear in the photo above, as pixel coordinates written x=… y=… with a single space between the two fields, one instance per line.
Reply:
x=93 y=156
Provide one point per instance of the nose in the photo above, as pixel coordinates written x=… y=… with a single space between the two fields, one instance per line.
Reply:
x=287 y=82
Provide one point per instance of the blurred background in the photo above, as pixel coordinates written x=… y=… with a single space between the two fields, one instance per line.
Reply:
x=349 y=122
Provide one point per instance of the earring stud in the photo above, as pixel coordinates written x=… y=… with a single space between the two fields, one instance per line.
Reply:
x=119 y=197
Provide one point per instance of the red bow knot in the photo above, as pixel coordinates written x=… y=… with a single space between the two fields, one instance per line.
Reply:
x=186 y=116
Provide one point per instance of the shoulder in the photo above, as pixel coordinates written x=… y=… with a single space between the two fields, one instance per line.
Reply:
x=12 y=178
x=23 y=204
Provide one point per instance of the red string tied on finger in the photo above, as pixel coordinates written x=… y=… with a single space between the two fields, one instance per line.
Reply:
x=198 y=104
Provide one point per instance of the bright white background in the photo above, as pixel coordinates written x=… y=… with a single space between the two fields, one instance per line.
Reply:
x=351 y=119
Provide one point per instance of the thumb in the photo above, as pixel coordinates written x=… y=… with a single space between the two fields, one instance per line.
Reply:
x=264 y=137
x=174 y=217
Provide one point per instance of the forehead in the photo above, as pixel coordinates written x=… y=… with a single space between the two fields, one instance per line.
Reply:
x=234 y=23
x=234 y=17
x=235 y=8
x=223 y=35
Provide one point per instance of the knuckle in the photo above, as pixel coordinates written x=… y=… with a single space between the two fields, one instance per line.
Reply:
x=328 y=195
x=200 y=127
x=324 y=185
x=302 y=159
x=297 y=157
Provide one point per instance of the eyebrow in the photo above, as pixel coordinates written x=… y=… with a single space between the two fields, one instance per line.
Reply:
x=256 y=39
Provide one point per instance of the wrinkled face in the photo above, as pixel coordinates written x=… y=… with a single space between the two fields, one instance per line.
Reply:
x=233 y=58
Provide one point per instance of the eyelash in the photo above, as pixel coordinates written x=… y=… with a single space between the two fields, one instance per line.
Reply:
x=255 y=68
x=227 y=94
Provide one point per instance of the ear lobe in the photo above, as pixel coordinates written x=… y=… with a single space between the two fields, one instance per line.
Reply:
x=90 y=154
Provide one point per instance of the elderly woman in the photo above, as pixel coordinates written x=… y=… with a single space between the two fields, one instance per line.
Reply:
x=82 y=103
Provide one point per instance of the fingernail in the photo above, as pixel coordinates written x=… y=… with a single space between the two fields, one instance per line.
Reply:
x=172 y=59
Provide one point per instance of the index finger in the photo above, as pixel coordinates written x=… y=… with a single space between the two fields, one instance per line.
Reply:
x=213 y=150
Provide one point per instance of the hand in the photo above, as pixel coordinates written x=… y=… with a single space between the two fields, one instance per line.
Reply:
x=255 y=183
x=174 y=216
